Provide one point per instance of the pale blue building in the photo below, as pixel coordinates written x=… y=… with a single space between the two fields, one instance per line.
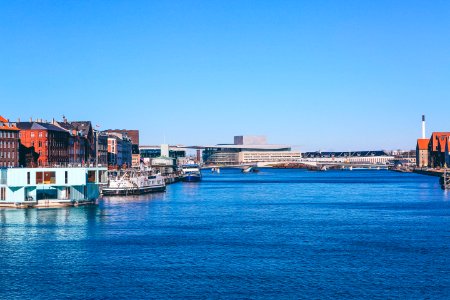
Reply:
x=42 y=187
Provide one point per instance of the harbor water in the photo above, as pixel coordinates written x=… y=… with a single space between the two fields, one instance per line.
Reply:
x=284 y=234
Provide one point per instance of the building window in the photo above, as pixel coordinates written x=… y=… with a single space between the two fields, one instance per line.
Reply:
x=39 y=178
x=32 y=134
x=28 y=178
x=91 y=176
x=2 y=193
x=66 y=177
x=49 y=177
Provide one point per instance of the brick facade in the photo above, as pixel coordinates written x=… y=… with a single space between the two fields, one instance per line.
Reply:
x=9 y=144
x=47 y=142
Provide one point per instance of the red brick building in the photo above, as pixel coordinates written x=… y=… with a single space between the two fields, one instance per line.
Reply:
x=436 y=149
x=43 y=144
x=79 y=147
x=422 y=156
x=9 y=144
x=86 y=130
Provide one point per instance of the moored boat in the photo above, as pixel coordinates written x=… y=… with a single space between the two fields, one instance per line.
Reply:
x=134 y=183
x=191 y=173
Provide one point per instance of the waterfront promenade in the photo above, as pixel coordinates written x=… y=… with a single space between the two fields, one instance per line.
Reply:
x=282 y=234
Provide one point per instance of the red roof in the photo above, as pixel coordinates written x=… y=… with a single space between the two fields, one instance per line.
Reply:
x=435 y=139
x=422 y=144
x=4 y=125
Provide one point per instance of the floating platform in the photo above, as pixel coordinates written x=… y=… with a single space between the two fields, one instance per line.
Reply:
x=50 y=187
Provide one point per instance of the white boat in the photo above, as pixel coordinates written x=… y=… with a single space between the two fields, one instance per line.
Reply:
x=250 y=169
x=191 y=173
x=134 y=183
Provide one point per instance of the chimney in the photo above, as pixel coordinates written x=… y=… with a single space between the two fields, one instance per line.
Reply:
x=423 y=127
x=31 y=119
x=18 y=120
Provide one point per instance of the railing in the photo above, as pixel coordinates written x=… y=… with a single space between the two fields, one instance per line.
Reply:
x=64 y=165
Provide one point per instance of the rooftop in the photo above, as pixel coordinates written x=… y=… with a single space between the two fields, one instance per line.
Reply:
x=38 y=126
x=232 y=146
x=422 y=144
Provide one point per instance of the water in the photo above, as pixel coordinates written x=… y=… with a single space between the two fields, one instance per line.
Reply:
x=276 y=234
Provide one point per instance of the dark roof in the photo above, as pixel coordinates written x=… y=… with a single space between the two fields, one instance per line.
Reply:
x=38 y=126
x=82 y=126
x=66 y=126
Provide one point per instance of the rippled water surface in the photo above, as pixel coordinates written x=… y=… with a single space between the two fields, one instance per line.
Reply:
x=276 y=234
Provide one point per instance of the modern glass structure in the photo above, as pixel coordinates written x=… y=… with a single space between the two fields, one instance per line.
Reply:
x=248 y=150
x=155 y=151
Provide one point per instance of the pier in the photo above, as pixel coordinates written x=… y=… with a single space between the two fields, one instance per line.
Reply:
x=445 y=180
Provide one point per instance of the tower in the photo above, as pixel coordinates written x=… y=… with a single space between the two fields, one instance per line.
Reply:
x=423 y=127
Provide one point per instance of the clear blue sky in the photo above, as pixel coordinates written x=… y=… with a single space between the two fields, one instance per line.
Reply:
x=329 y=75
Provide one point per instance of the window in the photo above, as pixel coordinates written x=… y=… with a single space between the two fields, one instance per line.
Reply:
x=39 y=178
x=3 y=193
x=91 y=176
x=32 y=134
x=49 y=177
x=28 y=178
x=66 y=177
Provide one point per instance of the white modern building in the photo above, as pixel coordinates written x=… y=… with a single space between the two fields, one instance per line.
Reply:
x=249 y=150
x=351 y=157
x=42 y=187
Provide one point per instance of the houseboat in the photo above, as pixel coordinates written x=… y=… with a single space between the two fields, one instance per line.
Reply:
x=133 y=183
x=48 y=187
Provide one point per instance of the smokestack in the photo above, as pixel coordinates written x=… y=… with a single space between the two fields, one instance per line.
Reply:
x=423 y=126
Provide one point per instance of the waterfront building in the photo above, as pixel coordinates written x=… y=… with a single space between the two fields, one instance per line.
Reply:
x=362 y=157
x=163 y=165
x=163 y=159
x=447 y=153
x=50 y=186
x=248 y=150
x=102 y=148
x=119 y=150
x=86 y=130
x=150 y=152
x=422 y=152
x=436 y=149
x=79 y=146
x=9 y=143
x=133 y=134
x=42 y=144
x=113 y=150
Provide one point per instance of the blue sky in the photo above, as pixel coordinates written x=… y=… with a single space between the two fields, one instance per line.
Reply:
x=328 y=75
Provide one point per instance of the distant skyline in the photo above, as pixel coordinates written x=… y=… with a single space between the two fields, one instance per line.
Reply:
x=319 y=75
